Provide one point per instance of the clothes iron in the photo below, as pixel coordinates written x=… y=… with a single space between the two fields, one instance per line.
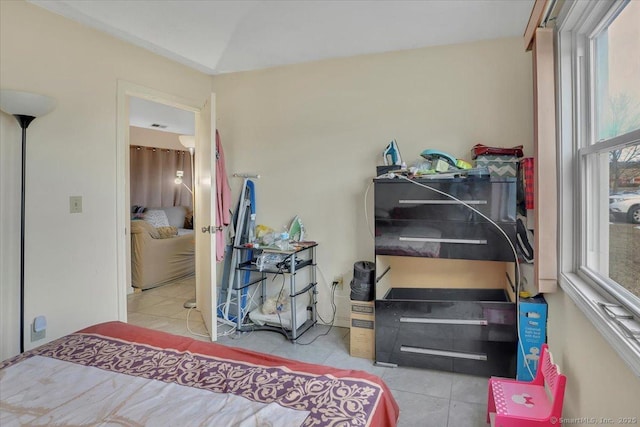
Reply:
x=440 y=161
x=391 y=154
x=435 y=155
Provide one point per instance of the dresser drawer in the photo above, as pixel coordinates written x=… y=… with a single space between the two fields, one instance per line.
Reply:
x=467 y=357
x=405 y=200
x=446 y=320
x=444 y=239
x=462 y=330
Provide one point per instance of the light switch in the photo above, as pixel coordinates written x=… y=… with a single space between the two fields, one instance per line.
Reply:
x=75 y=204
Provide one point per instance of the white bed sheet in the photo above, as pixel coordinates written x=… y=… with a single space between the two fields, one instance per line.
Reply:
x=39 y=389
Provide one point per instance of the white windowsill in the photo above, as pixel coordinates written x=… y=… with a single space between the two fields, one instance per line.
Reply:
x=586 y=299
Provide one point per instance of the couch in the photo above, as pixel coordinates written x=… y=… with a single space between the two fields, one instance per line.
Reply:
x=162 y=250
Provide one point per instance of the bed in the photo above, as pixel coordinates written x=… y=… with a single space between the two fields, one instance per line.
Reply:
x=114 y=373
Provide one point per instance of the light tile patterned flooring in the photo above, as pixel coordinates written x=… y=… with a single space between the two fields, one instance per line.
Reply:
x=426 y=398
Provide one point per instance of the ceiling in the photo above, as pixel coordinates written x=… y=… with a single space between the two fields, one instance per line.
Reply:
x=152 y=115
x=230 y=36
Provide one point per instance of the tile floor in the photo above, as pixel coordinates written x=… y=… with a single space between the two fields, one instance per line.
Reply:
x=426 y=398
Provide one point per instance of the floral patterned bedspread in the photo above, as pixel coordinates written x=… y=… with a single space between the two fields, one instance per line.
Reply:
x=276 y=387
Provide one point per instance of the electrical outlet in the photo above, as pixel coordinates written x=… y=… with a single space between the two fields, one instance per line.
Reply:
x=340 y=285
x=38 y=328
x=35 y=336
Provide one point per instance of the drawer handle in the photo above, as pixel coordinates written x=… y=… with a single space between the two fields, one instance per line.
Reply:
x=445 y=353
x=440 y=240
x=440 y=202
x=477 y=322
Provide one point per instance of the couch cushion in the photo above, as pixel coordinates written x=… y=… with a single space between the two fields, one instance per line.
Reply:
x=157 y=218
x=176 y=215
x=166 y=232
x=138 y=227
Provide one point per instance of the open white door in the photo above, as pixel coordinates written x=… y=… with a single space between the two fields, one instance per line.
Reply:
x=205 y=211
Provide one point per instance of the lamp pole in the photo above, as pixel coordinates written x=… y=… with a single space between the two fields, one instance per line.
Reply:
x=193 y=189
x=25 y=107
x=24 y=122
x=189 y=142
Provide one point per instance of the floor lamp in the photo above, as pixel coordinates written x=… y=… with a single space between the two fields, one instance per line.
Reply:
x=25 y=107
x=189 y=142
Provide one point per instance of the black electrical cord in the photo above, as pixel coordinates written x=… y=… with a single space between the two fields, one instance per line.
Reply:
x=333 y=289
x=333 y=317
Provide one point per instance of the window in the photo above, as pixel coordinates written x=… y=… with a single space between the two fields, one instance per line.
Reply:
x=599 y=92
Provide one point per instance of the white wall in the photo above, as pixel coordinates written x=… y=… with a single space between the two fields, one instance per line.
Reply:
x=316 y=131
x=70 y=258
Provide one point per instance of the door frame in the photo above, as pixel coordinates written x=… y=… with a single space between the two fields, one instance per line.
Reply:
x=125 y=90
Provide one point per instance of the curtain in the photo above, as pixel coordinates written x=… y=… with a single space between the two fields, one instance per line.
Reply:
x=153 y=171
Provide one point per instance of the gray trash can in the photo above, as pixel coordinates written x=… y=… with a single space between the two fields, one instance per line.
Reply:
x=364 y=280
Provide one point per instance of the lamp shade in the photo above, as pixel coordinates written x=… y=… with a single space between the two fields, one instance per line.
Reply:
x=25 y=103
x=188 y=141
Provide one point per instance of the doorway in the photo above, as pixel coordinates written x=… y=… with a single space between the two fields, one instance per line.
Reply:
x=161 y=178
x=156 y=309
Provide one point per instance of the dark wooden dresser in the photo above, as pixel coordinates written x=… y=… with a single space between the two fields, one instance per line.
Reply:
x=461 y=330
x=411 y=220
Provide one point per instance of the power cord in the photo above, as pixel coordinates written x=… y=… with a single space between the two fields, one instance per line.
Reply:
x=189 y=329
x=366 y=215
x=334 y=285
x=232 y=328
x=332 y=288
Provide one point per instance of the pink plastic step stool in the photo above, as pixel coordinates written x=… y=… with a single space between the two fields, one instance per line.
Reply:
x=515 y=403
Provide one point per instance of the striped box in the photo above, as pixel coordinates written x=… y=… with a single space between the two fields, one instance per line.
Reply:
x=500 y=166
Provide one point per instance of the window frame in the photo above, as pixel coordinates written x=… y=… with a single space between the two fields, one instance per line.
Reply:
x=577 y=25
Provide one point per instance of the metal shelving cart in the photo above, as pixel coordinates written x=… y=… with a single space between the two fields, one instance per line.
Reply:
x=293 y=261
